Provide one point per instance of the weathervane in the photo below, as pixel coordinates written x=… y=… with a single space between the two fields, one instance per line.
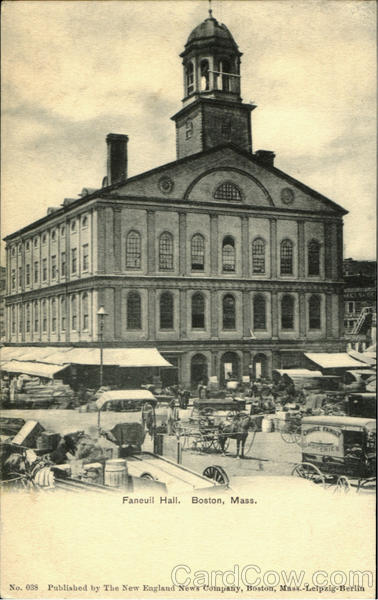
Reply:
x=210 y=9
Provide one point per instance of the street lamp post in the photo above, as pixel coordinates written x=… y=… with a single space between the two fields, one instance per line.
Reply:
x=101 y=313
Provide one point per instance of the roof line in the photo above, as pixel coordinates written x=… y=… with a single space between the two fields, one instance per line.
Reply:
x=100 y=191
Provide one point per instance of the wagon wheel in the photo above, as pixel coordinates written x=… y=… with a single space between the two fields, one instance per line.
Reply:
x=297 y=434
x=310 y=472
x=288 y=435
x=206 y=441
x=148 y=417
x=216 y=473
x=342 y=485
x=217 y=444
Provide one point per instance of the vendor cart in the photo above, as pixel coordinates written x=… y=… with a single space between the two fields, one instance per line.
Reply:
x=201 y=430
x=338 y=451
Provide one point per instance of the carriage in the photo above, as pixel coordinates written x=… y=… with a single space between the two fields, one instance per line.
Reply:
x=202 y=430
x=338 y=450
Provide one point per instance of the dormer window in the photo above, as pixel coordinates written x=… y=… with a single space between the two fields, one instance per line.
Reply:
x=228 y=191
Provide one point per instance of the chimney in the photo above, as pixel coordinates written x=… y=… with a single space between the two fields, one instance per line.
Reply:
x=265 y=157
x=117 y=157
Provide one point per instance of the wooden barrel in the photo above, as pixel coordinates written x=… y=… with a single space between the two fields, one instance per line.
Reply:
x=115 y=474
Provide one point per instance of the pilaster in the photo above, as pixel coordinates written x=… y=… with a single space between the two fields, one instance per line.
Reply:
x=214 y=314
x=246 y=300
x=275 y=315
x=273 y=248
x=214 y=244
x=151 y=265
x=182 y=242
x=117 y=240
x=301 y=250
x=245 y=249
x=152 y=314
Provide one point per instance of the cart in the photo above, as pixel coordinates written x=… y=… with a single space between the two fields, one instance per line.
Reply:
x=201 y=431
x=338 y=451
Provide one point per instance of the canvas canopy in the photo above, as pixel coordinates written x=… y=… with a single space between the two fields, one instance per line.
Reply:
x=118 y=395
x=336 y=360
x=33 y=368
x=121 y=357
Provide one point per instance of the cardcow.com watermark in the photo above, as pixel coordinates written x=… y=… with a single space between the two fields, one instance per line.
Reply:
x=252 y=578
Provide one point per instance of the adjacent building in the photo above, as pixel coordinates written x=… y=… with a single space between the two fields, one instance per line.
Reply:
x=219 y=259
x=360 y=299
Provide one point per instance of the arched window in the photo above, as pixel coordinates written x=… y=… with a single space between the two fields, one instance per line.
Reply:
x=134 y=311
x=204 y=71
x=133 y=251
x=287 y=312
x=198 y=252
x=286 y=257
x=166 y=252
x=74 y=313
x=224 y=68
x=53 y=315
x=166 y=311
x=314 y=314
x=85 y=311
x=258 y=256
x=228 y=254
x=198 y=311
x=229 y=319
x=189 y=78
x=314 y=258
x=63 y=313
x=228 y=191
x=259 y=312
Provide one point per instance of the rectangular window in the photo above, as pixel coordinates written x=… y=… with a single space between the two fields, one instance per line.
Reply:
x=20 y=276
x=53 y=267
x=20 y=319
x=63 y=264
x=27 y=274
x=36 y=271
x=63 y=313
x=53 y=316
x=36 y=319
x=85 y=257
x=44 y=269
x=28 y=318
x=73 y=260
x=13 y=279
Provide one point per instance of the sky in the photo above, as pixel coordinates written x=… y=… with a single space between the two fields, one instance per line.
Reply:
x=72 y=72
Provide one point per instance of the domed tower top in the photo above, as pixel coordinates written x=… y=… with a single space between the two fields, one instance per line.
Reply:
x=213 y=112
x=211 y=60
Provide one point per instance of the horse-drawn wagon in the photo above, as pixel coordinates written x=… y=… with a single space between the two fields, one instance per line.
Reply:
x=213 y=422
x=338 y=451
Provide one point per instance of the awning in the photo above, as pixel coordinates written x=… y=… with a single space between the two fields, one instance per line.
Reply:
x=335 y=360
x=33 y=368
x=117 y=395
x=367 y=359
x=299 y=373
x=121 y=357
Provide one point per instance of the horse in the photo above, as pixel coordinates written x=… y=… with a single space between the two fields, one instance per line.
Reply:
x=237 y=430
